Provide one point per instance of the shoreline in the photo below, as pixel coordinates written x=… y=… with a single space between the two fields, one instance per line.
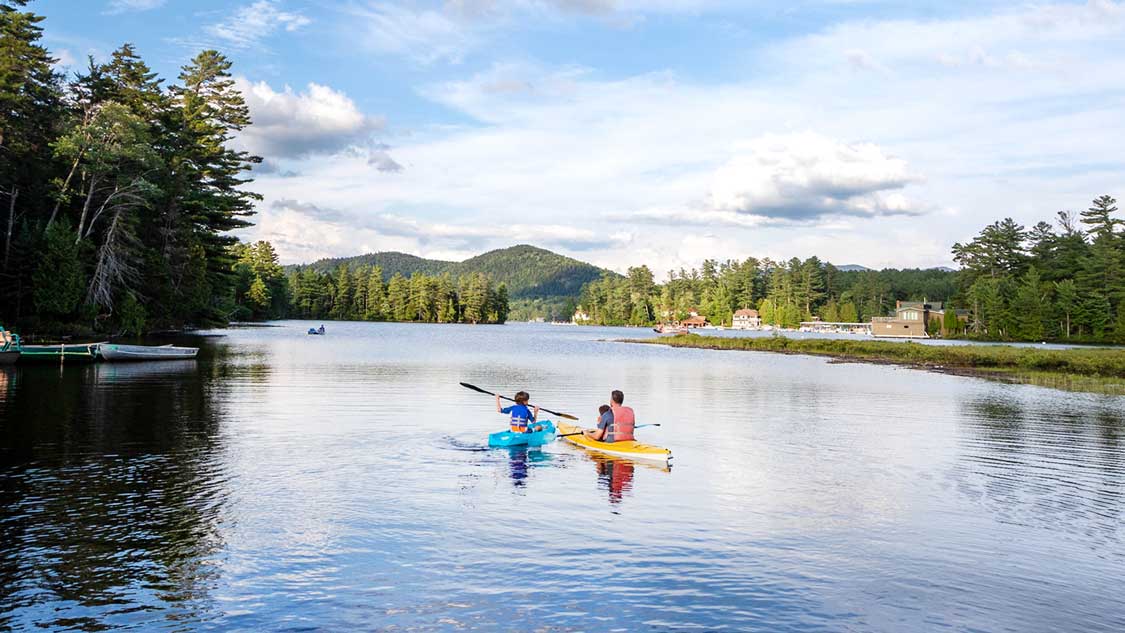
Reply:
x=1072 y=369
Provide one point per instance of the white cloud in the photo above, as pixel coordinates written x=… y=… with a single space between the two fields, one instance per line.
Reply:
x=123 y=6
x=289 y=123
x=64 y=59
x=251 y=24
x=806 y=176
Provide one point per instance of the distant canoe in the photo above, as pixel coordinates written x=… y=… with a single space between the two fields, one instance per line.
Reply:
x=117 y=353
x=68 y=351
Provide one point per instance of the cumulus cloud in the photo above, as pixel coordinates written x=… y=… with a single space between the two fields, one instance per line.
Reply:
x=288 y=123
x=248 y=26
x=807 y=176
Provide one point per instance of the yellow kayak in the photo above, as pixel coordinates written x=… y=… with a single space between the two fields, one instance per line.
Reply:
x=633 y=449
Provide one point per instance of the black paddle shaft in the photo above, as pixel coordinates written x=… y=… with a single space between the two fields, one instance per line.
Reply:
x=476 y=388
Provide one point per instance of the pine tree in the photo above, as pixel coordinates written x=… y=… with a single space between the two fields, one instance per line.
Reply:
x=848 y=313
x=58 y=280
x=1029 y=308
x=376 y=296
x=1100 y=220
x=1066 y=303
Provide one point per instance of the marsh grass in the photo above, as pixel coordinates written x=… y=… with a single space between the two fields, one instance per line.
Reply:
x=1099 y=370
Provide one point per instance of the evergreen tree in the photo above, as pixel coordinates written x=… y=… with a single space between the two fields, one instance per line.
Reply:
x=58 y=280
x=848 y=313
x=1029 y=308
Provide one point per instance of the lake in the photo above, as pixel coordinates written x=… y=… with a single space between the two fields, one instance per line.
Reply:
x=293 y=482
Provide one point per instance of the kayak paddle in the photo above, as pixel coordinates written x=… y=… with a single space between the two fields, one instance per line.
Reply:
x=581 y=432
x=476 y=388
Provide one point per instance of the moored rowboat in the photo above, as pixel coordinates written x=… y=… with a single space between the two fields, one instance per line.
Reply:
x=68 y=351
x=630 y=449
x=116 y=353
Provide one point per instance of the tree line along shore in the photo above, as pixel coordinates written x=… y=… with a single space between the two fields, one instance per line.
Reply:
x=1063 y=281
x=1093 y=369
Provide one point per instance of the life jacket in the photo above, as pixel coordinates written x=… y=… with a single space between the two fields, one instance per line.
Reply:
x=520 y=420
x=621 y=430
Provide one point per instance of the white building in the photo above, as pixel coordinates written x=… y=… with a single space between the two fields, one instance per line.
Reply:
x=746 y=320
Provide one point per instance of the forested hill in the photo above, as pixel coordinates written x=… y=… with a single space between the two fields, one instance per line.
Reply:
x=528 y=271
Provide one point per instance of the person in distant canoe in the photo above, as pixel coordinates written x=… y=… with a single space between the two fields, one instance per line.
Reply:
x=522 y=416
x=615 y=425
x=321 y=330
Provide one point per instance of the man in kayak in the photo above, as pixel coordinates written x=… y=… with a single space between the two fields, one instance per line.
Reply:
x=616 y=424
x=523 y=416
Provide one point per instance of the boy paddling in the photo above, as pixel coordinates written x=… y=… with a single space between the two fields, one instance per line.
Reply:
x=522 y=416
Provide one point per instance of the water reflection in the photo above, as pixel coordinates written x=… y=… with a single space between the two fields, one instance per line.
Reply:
x=521 y=460
x=1037 y=461
x=111 y=496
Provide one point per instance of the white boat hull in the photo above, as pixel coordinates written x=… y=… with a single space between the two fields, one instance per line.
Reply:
x=125 y=353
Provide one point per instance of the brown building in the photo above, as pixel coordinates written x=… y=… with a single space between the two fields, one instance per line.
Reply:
x=912 y=318
x=694 y=321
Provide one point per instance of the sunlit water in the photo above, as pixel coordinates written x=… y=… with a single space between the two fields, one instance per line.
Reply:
x=286 y=482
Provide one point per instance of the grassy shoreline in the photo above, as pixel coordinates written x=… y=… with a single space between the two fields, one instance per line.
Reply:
x=1095 y=370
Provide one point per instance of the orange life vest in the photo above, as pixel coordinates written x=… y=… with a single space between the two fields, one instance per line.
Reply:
x=623 y=422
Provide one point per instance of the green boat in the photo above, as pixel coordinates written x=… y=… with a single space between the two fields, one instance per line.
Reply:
x=9 y=346
x=61 y=352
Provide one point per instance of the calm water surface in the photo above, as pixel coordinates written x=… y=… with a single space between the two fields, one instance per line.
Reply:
x=290 y=482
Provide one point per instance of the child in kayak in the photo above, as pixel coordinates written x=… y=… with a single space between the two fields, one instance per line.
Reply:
x=605 y=420
x=523 y=416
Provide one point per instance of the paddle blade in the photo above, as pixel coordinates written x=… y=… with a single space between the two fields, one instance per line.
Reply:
x=567 y=416
x=476 y=388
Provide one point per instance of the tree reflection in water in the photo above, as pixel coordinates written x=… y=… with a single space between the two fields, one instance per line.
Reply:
x=111 y=492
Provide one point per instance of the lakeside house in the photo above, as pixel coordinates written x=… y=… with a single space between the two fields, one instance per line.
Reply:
x=914 y=319
x=580 y=316
x=746 y=319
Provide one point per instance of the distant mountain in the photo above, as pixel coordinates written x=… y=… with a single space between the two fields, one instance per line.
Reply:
x=529 y=272
x=848 y=268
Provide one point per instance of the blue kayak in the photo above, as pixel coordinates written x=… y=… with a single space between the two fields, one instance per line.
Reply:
x=537 y=438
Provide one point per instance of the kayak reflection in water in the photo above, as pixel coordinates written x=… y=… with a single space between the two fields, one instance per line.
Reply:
x=520 y=461
x=616 y=475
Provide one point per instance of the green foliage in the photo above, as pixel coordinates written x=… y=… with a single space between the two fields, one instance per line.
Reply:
x=142 y=176
x=1047 y=283
x=58 y=278
x=360 y=295
x=131 y=315
x=529 y=273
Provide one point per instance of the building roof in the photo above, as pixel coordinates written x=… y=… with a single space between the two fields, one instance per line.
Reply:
x=746 y=313
x=918 y=305
x=695 y=320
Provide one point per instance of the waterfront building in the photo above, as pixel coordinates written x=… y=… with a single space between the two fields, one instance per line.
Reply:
x=746 y=319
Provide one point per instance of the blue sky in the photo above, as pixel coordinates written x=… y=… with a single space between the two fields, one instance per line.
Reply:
x=660 y=132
